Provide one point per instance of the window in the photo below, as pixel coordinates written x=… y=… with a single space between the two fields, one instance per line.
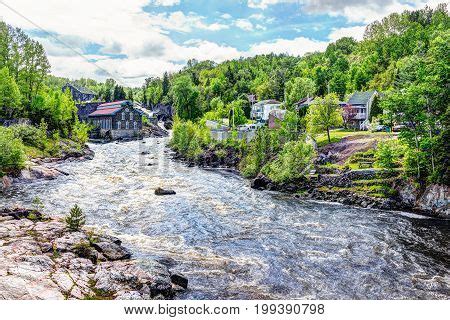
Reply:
x=123 y=115
x=127 y=125
x=135 y=125
x=119 y=125
x=131 y=116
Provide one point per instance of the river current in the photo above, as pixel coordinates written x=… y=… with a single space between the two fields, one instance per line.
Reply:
x=233 y=242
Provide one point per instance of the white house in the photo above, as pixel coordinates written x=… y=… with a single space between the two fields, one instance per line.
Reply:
x=260 y=111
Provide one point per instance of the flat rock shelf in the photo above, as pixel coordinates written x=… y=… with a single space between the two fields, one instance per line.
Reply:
x=41 y=259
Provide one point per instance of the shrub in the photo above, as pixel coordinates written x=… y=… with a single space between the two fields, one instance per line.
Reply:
x=388 y=154
x=261 y=150
x=76 y=219
x=30 y=135
x=291 y=163
x=80 y=133
x=12 y=154
x=190 y=138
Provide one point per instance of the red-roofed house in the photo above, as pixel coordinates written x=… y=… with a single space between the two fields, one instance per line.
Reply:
x=117 y=119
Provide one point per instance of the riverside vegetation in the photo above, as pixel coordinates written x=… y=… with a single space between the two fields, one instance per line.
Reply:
x=404 y=56
x=53 y=129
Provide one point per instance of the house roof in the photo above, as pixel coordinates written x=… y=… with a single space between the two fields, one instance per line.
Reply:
x=111 y=108
x=106 y=111
x=114 y=103
x=305 y=102
x=264 y=102
x=80 y=88
x=361 y=98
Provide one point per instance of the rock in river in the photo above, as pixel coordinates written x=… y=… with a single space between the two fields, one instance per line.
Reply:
x=163 y=192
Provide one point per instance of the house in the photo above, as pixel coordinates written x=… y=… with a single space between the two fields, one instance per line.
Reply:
x=260 y=111
x=275 y=118
x=117 y=119
x=79 y=93
x=85 y=109
x=358 y=109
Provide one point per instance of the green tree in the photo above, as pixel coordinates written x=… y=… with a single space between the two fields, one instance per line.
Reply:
x=324 y=114
x=9 y=95
x=291 y=163
x=165 y=84
x=185 y=97
x=298 y=88
x=12 y=155
x=236 y=115
x=76 y=219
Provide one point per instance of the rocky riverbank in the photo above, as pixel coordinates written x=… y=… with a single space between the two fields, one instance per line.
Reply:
x=41 y=259
x=43 y=168
x=213 y=157
x=342 y=188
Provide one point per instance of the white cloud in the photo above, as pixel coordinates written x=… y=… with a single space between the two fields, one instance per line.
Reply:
x=257 y=16
x=263 y=4
x=178 y=21
x=226 y=16
x=365 y=11
x=244 y=24
x=297 y=47
x=356 y=32
x=166 y=3
x=120 y=27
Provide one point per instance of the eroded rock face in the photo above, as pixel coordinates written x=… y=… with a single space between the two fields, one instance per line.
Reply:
x=435 y=199
x=40 y=259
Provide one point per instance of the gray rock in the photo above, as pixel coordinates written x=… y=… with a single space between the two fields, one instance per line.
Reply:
x=435 y=199
x=163 y=192
x=112 y=251
x=179 y=280
x=70 y=241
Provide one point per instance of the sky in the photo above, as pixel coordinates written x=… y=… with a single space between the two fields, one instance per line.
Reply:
x=134 y=39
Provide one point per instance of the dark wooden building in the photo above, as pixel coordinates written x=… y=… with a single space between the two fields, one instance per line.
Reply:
x=117 y=119
x=79 y=93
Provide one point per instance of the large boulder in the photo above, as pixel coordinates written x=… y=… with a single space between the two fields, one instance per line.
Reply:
x=261 y=182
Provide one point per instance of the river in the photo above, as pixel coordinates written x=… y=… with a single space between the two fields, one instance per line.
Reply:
x=233 y=242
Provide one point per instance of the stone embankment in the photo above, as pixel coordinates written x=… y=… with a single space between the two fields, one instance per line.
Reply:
x=41 y=259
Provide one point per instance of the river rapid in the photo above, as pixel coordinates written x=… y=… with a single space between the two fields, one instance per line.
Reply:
x=233 y=242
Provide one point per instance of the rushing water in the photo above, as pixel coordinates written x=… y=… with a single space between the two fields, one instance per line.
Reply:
x=237 y=243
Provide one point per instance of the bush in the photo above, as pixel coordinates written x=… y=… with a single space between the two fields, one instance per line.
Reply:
x=76 y=219
x=30 y=135
x=80 y=133
x=261 y=150
x=190 y=138
x=12 y=154
x=388 y=154
x=291 y=163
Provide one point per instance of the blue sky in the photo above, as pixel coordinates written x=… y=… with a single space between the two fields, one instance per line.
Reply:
x=133 y=39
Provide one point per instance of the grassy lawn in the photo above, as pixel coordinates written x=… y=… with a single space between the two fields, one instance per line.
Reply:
x=337 y=135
